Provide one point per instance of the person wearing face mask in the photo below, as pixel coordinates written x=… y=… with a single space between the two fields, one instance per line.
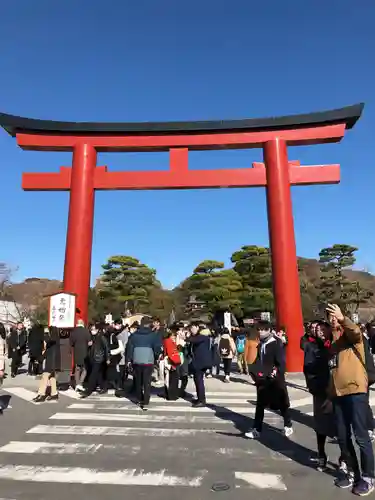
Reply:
x=99 y=358
x=316 y=344
x=269 y=375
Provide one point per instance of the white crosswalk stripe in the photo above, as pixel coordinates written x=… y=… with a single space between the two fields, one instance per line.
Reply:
x=109 y=441
x=64 y=448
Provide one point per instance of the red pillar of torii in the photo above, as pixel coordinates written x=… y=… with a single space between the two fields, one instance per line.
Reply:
x=276 y=174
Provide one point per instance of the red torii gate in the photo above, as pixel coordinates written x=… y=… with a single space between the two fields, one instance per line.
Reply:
x=276 y=174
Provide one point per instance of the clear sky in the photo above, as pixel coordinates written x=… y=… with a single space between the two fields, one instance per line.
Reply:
x=147 y=60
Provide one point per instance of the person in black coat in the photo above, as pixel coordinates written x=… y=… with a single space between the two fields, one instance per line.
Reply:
x=52 y=365
x=201 y=361
x=99 y=358
x=36 y=343
x=315 y=344
x=269 y=375
x=17 y=347
x=80 y=339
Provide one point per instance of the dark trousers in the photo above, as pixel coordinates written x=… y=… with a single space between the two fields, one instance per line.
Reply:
x=351 y=412
x=259 y=417
x=16 y=362
x=171 y=390
x=35 y=367
x=370 y=415
x=184 y=383
x=124 y=374
x=143 y=377
x=113 y=376
x=199 y=385
x=227 y=363
x=96 y=377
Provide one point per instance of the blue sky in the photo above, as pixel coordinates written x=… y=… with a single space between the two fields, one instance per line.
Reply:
x=119 y=60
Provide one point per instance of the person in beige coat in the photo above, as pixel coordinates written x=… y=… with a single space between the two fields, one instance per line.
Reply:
x=348 y=389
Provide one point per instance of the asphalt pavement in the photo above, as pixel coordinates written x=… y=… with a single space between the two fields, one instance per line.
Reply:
x=105 y=446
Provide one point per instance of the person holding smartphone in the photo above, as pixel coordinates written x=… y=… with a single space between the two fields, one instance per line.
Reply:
x=348 y=388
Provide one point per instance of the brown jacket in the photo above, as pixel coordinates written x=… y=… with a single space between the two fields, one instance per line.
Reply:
x=350 y=376
x=251 y=350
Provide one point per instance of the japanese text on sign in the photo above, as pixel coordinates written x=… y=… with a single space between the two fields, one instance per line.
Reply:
x=62 y=310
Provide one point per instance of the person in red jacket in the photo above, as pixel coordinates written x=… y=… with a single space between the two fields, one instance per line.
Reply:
x=172 y=361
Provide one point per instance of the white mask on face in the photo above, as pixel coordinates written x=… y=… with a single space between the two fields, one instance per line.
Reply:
x=263 y=334
x=94 y=332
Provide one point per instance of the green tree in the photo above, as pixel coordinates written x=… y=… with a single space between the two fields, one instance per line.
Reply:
x=253 y=265
x=308 y=287
x=334 y=283
x=128 y=283
x=356 y=295
x=161 y=303
x=219 y=288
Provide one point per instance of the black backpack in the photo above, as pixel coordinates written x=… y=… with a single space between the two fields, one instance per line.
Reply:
x=224 y=347
x=368 y=365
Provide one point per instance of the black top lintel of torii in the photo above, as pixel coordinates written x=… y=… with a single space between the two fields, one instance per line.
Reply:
x=17 y=124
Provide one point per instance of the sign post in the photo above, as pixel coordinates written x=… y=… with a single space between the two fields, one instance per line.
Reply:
x=265 y=316
x=62 y=310
x=355 y=318
x=62 y=315
x=228 y=321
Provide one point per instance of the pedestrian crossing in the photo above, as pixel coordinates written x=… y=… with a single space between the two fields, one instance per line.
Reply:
x=108 y=441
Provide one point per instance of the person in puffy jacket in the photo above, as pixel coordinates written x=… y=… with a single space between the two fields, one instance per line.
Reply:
x=144 y=348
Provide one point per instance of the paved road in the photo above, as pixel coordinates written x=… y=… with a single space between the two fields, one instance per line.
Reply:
x=104 y=446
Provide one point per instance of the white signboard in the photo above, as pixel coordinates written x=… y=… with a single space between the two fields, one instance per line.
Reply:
x=108 y=319
x=62 y=310
x=265 y=316
x=228 y=321
x=249 y=321
x=27 y=323
x=355 y=318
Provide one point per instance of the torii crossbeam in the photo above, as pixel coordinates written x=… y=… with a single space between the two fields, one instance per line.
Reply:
x=276 y=174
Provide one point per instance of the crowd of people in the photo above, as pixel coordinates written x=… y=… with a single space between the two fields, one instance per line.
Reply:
x=338 y=368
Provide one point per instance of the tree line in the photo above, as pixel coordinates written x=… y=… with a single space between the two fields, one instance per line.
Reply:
x=244 y=288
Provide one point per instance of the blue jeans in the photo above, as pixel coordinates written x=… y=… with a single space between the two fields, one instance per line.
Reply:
x=351 y=412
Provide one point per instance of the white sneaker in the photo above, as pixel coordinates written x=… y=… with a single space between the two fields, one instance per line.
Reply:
x=79 y=388
x=288 y=431
x=227 y=379
x=253 y=434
